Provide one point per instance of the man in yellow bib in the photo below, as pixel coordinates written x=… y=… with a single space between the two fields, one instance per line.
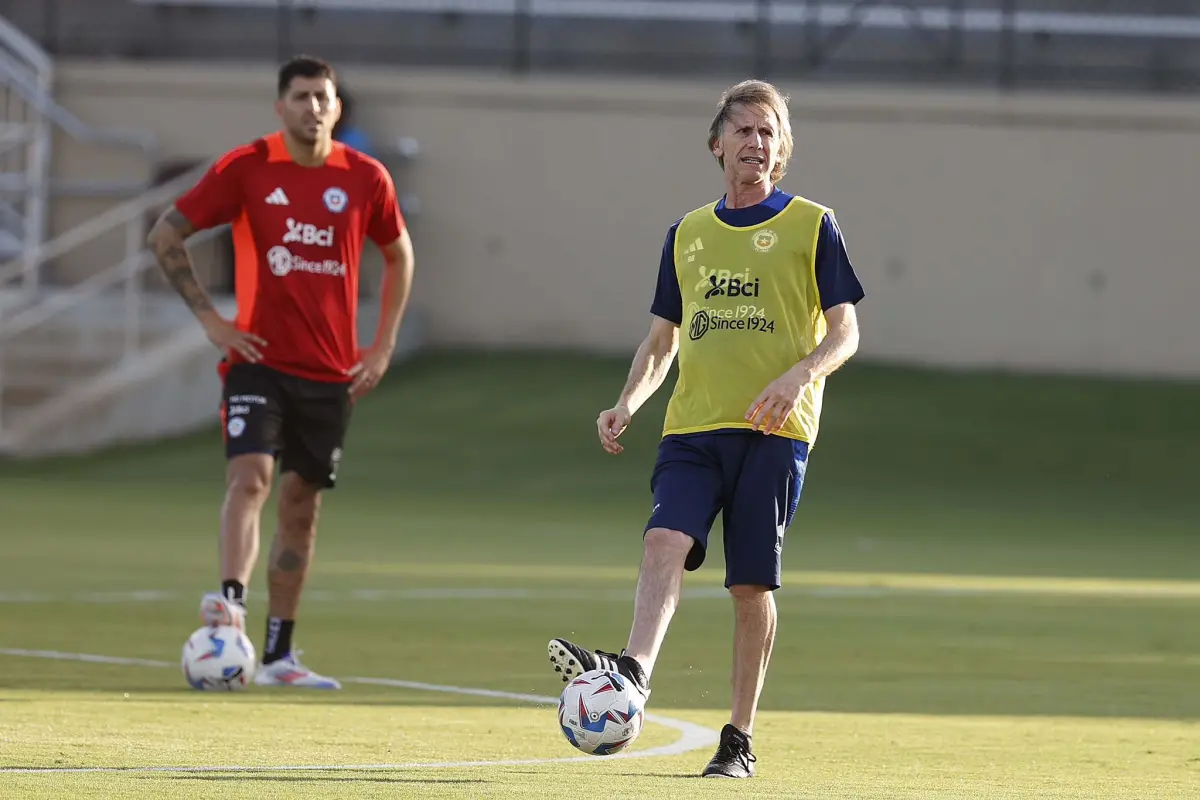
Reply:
x=757 y=296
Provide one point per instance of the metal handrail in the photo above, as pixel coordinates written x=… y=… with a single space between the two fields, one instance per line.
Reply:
x=104 y=222
x=25 y=47
x=17 y=78
x=127 y=269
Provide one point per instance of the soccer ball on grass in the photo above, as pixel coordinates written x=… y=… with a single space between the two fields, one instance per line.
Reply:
x=218 y=658
x=600 y=713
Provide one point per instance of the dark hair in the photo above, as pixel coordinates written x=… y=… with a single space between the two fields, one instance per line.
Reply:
x=305 y=67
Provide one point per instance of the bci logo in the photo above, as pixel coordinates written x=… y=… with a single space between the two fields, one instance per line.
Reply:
x=731 y=287
x=307 y=233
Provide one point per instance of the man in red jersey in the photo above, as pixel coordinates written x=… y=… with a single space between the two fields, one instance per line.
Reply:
x=301 y=206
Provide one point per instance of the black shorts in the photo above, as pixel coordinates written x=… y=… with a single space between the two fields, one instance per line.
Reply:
x=302 y=423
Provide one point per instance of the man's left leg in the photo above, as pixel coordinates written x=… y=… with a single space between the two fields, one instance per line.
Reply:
x=753 y=639
x=765 y=496
x=312 y=450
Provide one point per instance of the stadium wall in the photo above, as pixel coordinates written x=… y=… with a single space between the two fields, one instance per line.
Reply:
x=1044 y=233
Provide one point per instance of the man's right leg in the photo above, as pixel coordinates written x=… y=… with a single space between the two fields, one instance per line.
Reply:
x=247 y=487
x=688 y=491
x=660 y=581
x=251 y=415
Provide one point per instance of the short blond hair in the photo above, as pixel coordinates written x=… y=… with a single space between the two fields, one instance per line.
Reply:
x=756 y=93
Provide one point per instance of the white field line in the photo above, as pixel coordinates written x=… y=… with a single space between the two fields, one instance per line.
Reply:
x=23 y=597
x=692 y=736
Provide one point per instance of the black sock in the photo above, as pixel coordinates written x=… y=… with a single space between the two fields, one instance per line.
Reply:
x=279 y=639
x=234 y=591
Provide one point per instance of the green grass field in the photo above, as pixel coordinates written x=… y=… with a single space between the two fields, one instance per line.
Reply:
x=992 y=591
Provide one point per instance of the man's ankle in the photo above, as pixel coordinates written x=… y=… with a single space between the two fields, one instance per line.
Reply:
x=637 y=668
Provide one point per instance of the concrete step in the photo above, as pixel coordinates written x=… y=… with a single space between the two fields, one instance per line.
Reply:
x=55 y=357
x=107 y=309
x=16 y=401
x=58 y=343
x=52 y=375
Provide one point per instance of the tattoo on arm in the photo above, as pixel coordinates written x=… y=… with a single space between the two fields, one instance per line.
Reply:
x=168 y=242
x=179 y=222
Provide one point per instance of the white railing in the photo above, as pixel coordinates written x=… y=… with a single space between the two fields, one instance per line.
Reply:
x=130 y=213
x=132 y=216
x=27 y=73
x=126 y=273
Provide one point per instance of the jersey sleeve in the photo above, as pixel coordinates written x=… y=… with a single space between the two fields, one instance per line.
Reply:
x=668 y=300
x=386 y=222
x=217 y=197
x=836 y=280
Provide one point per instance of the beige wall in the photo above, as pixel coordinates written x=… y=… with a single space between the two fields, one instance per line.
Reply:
x=1032 y=232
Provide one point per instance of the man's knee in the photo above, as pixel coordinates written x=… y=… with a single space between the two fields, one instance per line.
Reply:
x=749 y=592
x=667 y=544
x=248 y=477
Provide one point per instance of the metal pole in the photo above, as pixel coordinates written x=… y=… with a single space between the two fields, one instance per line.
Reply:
x=283 y=30
x=134 y=239
x=812 y=33
x=523 y=37
x=1008 y=45
x=762 y=40
x=50 y=26
x=37 y=176
x=956 y=50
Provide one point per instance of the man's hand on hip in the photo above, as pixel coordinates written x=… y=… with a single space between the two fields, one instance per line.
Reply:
x=228 y=338
x=771 y=408
x=369 y=371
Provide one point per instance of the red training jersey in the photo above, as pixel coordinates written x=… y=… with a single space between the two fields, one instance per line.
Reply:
x=298 y=236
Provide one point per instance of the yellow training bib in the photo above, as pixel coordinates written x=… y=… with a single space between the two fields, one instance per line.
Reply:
x=751 y=310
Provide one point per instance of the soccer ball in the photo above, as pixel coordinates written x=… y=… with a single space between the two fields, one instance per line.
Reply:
x=218 y=658
x=600 y=712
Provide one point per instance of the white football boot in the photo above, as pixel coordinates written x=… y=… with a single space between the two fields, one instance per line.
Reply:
x=288 y=671
x=216 y=609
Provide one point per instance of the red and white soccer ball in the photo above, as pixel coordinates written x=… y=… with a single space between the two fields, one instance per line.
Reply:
x=601 y=713
x=218 y=658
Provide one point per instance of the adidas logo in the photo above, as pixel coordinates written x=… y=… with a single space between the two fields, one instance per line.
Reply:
x=277 y=198
x=692 y=249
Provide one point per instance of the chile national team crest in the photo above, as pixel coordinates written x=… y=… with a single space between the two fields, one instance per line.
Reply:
x=335 y=199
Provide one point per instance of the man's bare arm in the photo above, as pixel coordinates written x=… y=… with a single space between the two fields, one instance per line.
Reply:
x=167 y=239
x=771 y=408
x=398 y=262
x=650 y=364
x=839 y=344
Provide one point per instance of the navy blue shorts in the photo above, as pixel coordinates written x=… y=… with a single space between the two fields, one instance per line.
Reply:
x=753 y=480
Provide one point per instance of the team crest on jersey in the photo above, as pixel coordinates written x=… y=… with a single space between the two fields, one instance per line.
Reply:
x=763 y=240
x=335 y=199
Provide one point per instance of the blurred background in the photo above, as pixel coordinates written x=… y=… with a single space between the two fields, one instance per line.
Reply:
x=1016 y=178
x=1001 y=518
